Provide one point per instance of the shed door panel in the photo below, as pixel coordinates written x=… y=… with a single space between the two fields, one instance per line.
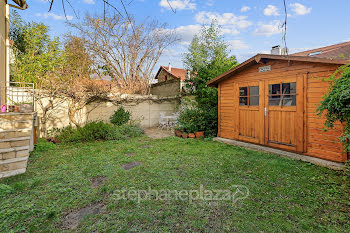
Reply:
x=284 y=113
x=249 y=117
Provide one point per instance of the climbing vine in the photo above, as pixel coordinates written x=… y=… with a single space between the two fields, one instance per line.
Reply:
x=336 y=103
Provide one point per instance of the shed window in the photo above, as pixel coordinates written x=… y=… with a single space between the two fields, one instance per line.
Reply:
x=282 y=94
x=249 y=96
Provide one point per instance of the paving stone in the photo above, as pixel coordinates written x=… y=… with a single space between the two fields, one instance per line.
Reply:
x=131 y=165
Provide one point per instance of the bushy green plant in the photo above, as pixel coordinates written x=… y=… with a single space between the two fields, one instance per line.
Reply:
x=44 y=145
x=98 y=130
x=336 y=104
x=208 y=56
x=120 y=117
x=191 y=120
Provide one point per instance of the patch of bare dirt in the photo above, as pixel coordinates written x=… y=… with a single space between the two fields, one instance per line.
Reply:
x=97 y=181
x=72 y=220
x=156 y=133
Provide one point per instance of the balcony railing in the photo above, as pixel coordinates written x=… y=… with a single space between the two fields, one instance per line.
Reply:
x=17 y=95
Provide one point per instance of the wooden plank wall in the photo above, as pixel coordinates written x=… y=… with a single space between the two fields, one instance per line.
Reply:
x=320 y=143
x=317 y=142
x=226 y=110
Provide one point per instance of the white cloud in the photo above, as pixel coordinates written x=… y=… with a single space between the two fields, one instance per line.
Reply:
x=231 y=24
x=54 y=16
x=269 y=29
x=89 y=1
x=271 y=10
x=300 y=9
x=210 y=3
x=245 y=9
x=186 y=33
x=237 y=45
x=178 y=4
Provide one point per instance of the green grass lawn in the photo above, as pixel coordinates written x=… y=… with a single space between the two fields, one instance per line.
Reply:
x=284 y=195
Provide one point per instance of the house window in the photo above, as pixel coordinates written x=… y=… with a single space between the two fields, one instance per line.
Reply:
x=283 y=94
x=249 y=96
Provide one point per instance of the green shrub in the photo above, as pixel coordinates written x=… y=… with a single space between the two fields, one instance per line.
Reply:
x=98 y=130
x=120 y=117
x=335 y=104
x=191 y=120
x=43 y=145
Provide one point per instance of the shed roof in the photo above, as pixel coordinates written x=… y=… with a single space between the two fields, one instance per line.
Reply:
x=263 y=57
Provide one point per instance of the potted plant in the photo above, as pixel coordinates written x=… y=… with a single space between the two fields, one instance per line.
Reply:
x=192 y=127
x=191 y=135
x=178 y=131
x=199 y=134
x=11 y=108
x=200 y=126
x=184 y=135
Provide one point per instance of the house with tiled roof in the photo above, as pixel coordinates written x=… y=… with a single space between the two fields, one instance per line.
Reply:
x=337 y=51
x=170 y=81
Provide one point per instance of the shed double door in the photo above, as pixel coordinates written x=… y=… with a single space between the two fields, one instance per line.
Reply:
x=271 y=113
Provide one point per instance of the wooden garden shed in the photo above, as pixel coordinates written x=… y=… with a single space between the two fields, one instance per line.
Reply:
x=272 y=99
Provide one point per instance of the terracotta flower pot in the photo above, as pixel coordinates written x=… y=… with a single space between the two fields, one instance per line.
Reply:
x=184 y=135
x=191 y=135
x=16 y=109
x=178 y=133
x=199 y=134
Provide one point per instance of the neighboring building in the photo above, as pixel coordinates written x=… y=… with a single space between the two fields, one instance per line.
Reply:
x=5 y=43
x=16 y=128
x=272 y=99
x=3 y=47
x=170 y=81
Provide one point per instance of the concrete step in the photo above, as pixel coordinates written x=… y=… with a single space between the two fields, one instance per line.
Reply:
x=14 y=142
x=18 y=124
x=14 y=152
x=14 y=139
x=13 y=166
x=15 y=133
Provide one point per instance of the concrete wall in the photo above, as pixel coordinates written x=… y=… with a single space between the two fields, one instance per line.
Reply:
x=3 y=47
x=168 y=88
x=144 y=110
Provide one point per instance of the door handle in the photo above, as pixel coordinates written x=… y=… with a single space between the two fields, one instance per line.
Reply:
x=265 y=111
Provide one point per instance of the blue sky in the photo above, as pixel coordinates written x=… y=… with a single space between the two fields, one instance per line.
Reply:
x=249 y=27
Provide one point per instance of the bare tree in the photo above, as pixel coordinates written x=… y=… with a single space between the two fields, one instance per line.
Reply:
x=126 y=51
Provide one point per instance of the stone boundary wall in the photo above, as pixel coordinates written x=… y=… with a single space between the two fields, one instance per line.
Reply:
x=144 y=109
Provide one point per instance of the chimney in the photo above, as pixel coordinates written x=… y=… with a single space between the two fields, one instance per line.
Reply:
x=284 y=51
x=276 y=50
x=169 y=68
